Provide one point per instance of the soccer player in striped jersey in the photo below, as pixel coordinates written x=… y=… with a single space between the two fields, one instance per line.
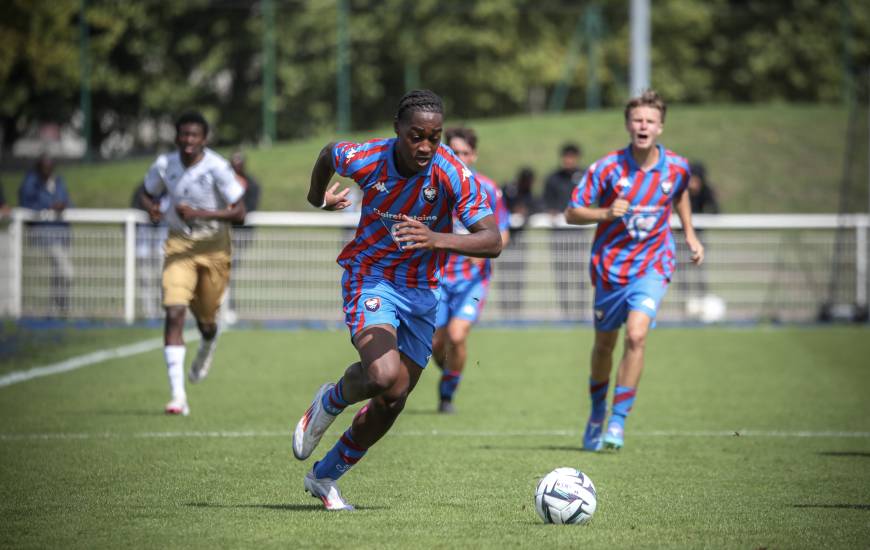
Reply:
x=465 y=281
x=631 y=194
x=204 y=198
x=412 y=187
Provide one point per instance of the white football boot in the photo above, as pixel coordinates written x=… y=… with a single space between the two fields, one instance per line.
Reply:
x=202 y=362
x=177 y=406
x=327 y=491
x=312 y=425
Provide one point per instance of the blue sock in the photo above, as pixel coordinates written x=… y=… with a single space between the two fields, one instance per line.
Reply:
x=623 y=399
x=340 y=458
x=449 y=382
x=333 y=400
x=598 y=395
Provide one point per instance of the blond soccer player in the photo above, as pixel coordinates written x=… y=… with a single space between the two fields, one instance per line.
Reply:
x=205 y=198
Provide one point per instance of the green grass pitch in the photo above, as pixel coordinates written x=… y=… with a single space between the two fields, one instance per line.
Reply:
x=740 y=438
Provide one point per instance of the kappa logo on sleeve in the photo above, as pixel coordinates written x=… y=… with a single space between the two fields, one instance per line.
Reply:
x=373 y=304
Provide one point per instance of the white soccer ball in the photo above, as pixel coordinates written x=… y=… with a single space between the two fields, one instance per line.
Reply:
x=566 y=495
x=713 y=309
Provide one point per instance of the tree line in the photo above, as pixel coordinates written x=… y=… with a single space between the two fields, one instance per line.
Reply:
x=146 y=61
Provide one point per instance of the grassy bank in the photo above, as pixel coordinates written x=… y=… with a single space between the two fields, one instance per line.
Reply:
x=761 y=158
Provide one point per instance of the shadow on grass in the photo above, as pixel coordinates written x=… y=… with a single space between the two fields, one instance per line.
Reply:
x=845 y=453
x=281 y=507
x=424 y=412
x=560 y=448
x=116 y=412
x=840 y=506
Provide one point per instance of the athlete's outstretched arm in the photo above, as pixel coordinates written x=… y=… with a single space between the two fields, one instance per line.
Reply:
x=483 y=241
x=582 y=215
x=318 y=194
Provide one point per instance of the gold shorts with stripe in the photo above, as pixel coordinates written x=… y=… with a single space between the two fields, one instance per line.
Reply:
x=196 y=273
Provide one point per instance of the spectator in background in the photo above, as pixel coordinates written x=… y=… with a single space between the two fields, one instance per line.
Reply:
x=521 y=203
x=242 y=235
x=149 y=253
x=566 y=248
x=46 y=193
x=248 y=181
x=701 y=194
x=693 y=282
x=561 y=183
x=5 y=211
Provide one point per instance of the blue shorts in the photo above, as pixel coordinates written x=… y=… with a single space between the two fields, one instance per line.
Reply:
x=461 y=299
x=411 y=311
x=644 y=295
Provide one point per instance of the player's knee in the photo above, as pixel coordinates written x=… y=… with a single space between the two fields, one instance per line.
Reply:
x=635 y=338
x=603 y=349
x=457 y=333
x=381 y=376
x=175 y=316
x=457 y=337
x=208 y=330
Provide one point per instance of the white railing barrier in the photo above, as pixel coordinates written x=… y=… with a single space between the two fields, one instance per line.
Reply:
x=759 y=267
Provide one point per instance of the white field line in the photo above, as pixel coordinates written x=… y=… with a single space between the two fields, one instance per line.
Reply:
x=431 y=433
x=86 y=360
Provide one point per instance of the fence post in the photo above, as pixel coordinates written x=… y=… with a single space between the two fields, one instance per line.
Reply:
x=17 y=252
x=130 y=269
x=861 y=263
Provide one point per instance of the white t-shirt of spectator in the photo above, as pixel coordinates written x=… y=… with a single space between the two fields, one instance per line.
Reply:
x=210 y=184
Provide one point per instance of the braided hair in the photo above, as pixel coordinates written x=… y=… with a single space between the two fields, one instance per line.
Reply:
x=416 y=101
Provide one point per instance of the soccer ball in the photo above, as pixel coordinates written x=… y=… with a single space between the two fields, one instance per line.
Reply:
x=566 y=495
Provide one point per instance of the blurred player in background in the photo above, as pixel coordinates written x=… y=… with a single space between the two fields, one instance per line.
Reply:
x=204 y=198
x=630 y=194
x=465 y=281
x=412 y=185
x=44 y=191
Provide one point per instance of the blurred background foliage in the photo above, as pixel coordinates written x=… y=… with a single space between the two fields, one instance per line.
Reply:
x=151 y=59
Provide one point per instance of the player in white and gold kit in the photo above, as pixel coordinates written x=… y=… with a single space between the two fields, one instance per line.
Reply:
x=205 y=197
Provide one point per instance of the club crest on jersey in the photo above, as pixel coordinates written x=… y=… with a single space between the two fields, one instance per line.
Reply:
x=373 y=304
x=381 y=187
x=667 y=185
x=430 y=194
x=623 y=184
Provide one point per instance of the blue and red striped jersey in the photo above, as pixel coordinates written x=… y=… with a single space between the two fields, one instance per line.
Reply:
x=446 y=188
x=459 y=267
x=627 y=248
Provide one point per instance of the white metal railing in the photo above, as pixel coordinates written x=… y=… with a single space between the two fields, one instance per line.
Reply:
x=107 y=263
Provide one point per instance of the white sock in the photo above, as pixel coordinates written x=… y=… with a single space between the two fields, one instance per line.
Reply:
x=175 y=368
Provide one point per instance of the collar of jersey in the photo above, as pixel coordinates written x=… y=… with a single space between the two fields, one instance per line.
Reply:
x=394 y=172
x=205 y=152
x=660 y=164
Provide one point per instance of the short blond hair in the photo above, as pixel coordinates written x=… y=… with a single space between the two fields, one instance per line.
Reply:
x=649 y=98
